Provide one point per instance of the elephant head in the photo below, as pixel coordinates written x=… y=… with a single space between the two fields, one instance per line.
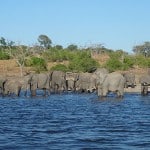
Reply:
x=71 y=79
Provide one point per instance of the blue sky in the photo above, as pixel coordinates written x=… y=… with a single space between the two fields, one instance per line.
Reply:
x=118 y=24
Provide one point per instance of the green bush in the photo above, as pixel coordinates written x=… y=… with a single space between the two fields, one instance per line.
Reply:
x=141 y=61
x=113 y=64
x=60 y=67
x=82 y=61
x=4 y=56
x=38 y=63
x=54 y=55
x=120 y=62
x=128 y=62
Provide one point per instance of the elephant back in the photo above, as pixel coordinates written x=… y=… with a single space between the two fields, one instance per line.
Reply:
x=145 y=79
x=71 y=76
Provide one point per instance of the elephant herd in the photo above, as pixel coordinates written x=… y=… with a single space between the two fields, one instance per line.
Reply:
x=100 y=81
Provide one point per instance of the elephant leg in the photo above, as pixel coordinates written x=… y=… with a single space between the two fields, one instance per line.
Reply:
x=144 y=90
x=99 y=91
x=44 y=91
x=56 y=89
x=33 y=93
x=25 y=93
x=104 y=92
x=18 y=92
x=120 y=92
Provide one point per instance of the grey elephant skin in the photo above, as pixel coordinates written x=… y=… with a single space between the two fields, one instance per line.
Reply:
x=129 y=79
x=100 y=71
x=145 y=82
x=58 y=82
x=112 y=82
x=86 y=82
x=12 y=86
x=2 y=83
x=40 y=81
x=71 y=79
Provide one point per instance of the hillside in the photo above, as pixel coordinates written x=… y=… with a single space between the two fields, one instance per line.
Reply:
x=11 y=68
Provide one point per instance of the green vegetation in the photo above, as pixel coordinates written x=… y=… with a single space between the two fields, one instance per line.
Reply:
x=4 y=55
x=38 y=63
x=119 y=60
x=78 y=60
x=142 y=62
x=60 y=67
x=82 y=61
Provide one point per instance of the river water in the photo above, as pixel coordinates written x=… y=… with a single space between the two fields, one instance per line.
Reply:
x=75 y=122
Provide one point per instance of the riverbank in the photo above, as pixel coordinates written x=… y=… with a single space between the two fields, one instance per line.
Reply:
x=9 y=68
x=136 y=89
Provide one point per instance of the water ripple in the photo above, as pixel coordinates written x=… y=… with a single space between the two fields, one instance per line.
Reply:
x=75 y=121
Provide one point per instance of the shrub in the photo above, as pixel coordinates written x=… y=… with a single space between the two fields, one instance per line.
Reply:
x=38 y=63
x=82 y=61
x=141 y=61
x=113 y=64
x=128 y=62
x=120 y=62
x=4 y=55
x=54 y=55
x=60 y=67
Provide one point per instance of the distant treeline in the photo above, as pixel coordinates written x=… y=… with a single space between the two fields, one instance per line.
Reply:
x=79 y=58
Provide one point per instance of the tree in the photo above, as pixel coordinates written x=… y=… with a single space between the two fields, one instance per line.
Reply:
x=58 y=47
x=3 y=41
x=143 y=49
x=72 y=47
x=44 y=41
x=18 y=53
x=5 y=44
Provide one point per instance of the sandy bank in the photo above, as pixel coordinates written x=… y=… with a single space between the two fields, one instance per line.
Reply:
x=137 y=89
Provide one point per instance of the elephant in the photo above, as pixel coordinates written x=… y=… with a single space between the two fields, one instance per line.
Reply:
x=12 y=86
x=86 y=82
x=130 y=79
x=112 y=82
x=2 y=82
x=40 y=81
x=25 y=82
x=71 y=79
x=58 y=81
x=145 y=82
x=100 y=71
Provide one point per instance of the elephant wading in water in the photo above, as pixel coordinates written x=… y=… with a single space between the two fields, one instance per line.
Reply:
x=112 y=82
x=145 y=82
x=2 y=83
x=40 y=81
x=86 y=82
x=58 y=81
x=71 y=79
x=130 y=79
x=15 y=85
x=12 y=86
